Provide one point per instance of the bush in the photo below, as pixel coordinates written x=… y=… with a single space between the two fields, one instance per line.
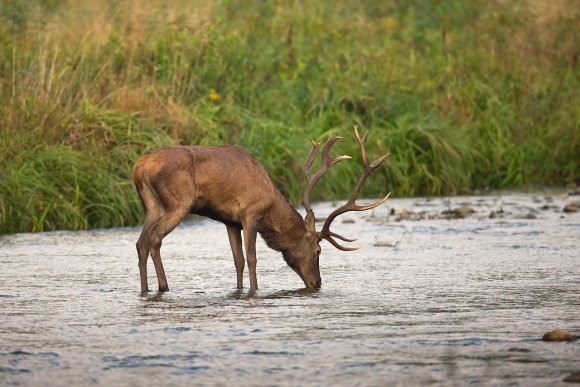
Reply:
x=457 y=91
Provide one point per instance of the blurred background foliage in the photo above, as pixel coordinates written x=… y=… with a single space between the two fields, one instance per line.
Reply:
x=479 y=94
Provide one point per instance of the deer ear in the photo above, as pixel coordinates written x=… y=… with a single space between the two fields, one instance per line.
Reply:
x=310 y=221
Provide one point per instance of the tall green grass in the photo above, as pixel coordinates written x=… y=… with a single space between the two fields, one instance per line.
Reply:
x=465 y=95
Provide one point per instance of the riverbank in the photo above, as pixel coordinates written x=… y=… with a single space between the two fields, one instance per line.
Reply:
x=456 y=92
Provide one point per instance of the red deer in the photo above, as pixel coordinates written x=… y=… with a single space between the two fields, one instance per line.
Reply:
x=228 y=184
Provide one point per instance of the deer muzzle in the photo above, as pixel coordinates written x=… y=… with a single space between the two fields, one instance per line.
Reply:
x=313 y=283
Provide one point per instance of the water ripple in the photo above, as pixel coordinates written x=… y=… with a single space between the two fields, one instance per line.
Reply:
x=458 y=301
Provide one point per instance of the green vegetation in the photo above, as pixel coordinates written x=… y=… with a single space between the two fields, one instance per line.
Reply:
x=464 y=94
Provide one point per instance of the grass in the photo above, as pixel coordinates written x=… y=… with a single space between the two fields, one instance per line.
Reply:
x=458 y=92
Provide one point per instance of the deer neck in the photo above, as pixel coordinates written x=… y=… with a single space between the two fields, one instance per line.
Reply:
x=283 y=227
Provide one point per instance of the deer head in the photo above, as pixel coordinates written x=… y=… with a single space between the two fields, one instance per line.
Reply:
x=304 y=257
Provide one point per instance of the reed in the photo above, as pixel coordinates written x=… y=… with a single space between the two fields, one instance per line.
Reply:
x=456 y=91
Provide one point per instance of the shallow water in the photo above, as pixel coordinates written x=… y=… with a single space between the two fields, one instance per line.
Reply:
x=455 y=301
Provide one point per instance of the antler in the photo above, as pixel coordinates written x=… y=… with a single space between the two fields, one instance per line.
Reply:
x=327 y=162
x=351 y=205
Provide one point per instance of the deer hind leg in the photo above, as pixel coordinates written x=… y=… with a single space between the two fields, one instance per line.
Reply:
x=235 y=237
x=143 y=253
x=144 y=246
x=168 y=221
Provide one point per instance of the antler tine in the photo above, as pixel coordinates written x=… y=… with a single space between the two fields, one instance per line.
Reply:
x=350 y=205
x=329 y=235
x=335 y=235
x=361 y=143
x=335 y=244
x=310 y=159
x=327 y=162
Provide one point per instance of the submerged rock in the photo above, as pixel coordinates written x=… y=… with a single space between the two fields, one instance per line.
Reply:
x=522 y=350
x=464 y=211
x=386 y=243
x=574 y=377
x=530 y=215
x=559 y=335
x=427 y=215
x=382 y=243
x=572 y=207
x=405 y=214
x=497 y=214
x=459 y=212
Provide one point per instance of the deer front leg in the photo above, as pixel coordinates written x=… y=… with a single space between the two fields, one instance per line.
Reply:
x=250 y=234
x=235 y=237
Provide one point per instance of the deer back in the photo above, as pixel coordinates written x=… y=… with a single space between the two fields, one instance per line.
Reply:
x=223 y=183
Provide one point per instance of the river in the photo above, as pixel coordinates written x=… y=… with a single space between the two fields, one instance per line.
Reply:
x=448 y=291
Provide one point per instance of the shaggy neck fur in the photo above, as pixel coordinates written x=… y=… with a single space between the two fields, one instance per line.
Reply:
x=283 y=228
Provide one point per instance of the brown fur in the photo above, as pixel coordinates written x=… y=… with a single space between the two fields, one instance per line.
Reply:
x=229 y=185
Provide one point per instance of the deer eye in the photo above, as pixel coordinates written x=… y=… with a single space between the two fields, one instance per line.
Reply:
x=318 y=251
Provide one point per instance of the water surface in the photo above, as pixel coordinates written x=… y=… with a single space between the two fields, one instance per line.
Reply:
x=450 y=301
